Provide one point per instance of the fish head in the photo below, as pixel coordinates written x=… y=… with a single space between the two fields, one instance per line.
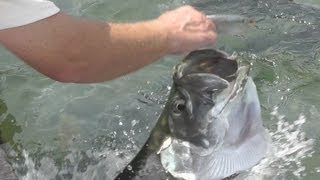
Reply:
x=204 y=83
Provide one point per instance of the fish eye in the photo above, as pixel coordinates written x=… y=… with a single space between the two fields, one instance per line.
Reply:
x=179 y=106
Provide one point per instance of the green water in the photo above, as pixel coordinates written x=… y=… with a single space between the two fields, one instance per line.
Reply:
x=69 y=131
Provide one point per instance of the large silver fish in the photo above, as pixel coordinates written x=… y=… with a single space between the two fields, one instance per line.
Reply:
x=211 y=127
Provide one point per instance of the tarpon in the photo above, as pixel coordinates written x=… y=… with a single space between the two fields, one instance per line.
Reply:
x=211 y=127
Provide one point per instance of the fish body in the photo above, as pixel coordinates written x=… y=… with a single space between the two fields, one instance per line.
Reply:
x=211 y=127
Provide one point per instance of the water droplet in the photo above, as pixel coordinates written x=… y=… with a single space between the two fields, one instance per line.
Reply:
x=134 y=122
x=290 y=145
x=132 y=132
x=103 y=156
x=129 y=146
x=108 y=144
x=120 y=123
x=125 y=133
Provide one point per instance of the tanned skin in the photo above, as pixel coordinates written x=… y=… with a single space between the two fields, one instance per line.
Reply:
x=72 y=49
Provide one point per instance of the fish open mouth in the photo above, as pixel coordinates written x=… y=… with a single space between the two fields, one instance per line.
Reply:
x=208 y=61
x=207 y=80
x=218 y=63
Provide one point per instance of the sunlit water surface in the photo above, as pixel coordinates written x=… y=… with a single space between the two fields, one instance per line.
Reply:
x=69 y=131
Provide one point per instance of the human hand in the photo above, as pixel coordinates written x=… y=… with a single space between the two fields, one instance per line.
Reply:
x=187 y=29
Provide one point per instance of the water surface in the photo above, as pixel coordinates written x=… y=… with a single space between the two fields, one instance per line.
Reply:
x=69 y=131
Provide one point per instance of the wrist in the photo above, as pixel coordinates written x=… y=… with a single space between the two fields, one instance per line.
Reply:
x=162 y=36
x=171 y=31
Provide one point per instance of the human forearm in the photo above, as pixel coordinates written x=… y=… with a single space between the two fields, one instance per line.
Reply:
x=79 y=50
x=135 y=45
x=72 y=49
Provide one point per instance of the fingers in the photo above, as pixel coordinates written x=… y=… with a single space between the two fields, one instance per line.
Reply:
x=203 y=39
x=199 y=41
x=199 y=26
x=197 y=21
x=188 y=29
x=211 y=25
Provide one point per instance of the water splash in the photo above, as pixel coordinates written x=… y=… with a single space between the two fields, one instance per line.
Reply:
x=47 y=170
x=109 y=165
x=289 y=148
